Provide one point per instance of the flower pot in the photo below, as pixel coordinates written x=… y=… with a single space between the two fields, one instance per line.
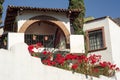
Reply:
x=46 y=38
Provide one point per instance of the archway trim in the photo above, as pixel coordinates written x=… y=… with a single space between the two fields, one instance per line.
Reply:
x=49 y=19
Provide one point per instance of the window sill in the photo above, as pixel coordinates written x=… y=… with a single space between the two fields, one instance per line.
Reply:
x=97 y=49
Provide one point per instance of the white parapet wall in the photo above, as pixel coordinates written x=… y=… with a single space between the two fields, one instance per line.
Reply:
x=17 y=64
x=14 y=38
x=77 y=44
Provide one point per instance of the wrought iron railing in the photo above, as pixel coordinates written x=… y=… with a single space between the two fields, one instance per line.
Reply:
x=46 y=40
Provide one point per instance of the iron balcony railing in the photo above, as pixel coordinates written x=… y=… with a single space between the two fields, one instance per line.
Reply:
x=46 y=40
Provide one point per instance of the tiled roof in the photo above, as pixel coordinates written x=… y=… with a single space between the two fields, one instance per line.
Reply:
x=13 y=10
x=117 y=20
x=42 y=9
x=96 y=19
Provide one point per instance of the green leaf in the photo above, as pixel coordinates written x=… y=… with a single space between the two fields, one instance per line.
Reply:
x=79 y=21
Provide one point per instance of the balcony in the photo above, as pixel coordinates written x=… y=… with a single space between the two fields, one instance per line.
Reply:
x=48 y=41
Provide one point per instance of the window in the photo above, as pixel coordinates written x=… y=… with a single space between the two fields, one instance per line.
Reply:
x=95 y=39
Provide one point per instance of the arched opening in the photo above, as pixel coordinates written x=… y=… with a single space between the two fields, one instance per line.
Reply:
x=54 y=25
x=42 y=29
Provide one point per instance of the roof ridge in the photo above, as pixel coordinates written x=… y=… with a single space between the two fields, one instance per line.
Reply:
x=65 y=9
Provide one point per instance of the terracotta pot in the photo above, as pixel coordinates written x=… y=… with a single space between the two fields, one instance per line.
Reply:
x=46 y=38
x=34 y=37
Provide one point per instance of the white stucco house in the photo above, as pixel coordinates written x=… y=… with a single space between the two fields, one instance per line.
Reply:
x=32 y=25
x=102 y=37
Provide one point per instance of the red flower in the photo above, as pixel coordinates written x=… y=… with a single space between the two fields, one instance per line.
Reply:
x=103 y=64
x=44 y=52
x=75 y=56
x=112 y=66
x=82 y=58
x=96 y=70
x=58 y=55
x=30 y=47
x=94 y=58
x=109 y=63
x=68 y=57
x=47 y=62
x=74 y=66
x=53 y=63
x=39 y=44
x=60 y=60
x=117 y=68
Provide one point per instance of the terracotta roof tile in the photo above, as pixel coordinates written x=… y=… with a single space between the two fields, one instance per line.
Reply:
x=42 y=9
x=13 y=10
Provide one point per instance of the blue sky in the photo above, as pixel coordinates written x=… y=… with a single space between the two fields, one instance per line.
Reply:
x=95 y=8
x=99 y=8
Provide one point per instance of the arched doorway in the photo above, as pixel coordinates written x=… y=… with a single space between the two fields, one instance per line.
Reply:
x=41 y=29
x=47 y=25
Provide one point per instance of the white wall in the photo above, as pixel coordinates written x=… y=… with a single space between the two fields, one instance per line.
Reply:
x=17 y=64
x=27 y=15
x=77 y=44
x=112 y=31
x=115 y=43
x=14 y=38
x=107 y=53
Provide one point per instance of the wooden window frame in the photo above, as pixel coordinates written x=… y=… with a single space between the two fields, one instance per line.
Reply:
x=103 y=37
